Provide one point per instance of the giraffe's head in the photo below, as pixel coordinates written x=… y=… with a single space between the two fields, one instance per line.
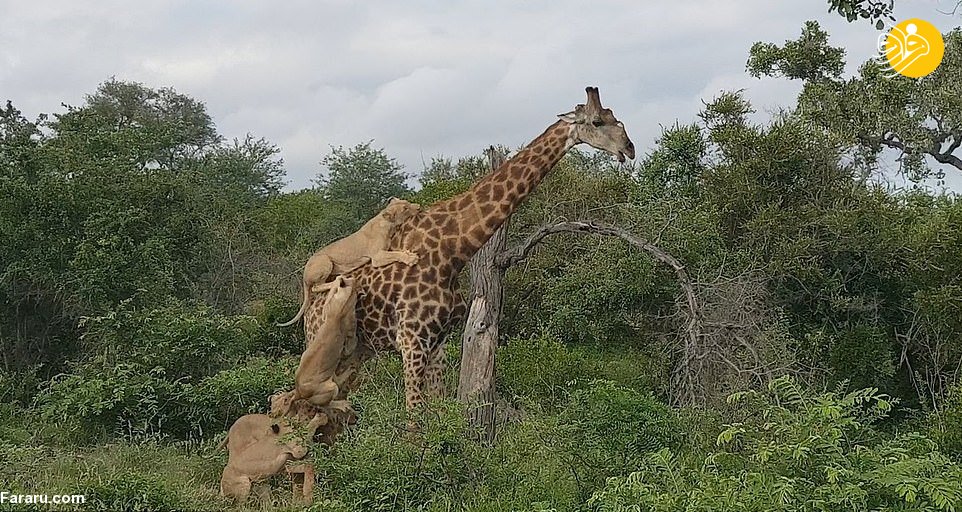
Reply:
x=597 y=126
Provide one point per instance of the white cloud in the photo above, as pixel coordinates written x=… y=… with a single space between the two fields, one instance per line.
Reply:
x=422 y=78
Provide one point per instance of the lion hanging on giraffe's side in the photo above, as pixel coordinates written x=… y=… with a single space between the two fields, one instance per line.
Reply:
x=368 y=244
x=316 y=379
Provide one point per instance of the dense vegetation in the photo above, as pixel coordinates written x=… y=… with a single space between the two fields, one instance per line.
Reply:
x=144 y=261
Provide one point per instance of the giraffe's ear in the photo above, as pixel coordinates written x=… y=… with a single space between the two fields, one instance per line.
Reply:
x=576 y=116
x=570 y=117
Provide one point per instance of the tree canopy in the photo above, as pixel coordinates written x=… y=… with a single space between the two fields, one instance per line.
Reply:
x=872 y=111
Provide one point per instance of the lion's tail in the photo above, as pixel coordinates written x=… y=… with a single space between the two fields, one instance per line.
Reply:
x=300 y=312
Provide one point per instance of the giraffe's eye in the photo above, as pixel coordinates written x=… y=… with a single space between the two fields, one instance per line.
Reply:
x=597 y=123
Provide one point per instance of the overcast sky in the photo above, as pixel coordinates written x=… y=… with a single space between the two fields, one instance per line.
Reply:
x=421 y=78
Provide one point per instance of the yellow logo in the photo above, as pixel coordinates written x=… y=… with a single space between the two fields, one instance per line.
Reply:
x=913 y=48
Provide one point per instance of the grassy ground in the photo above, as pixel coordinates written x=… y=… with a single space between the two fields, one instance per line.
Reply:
x=375 y=466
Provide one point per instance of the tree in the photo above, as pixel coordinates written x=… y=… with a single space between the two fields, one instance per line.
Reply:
x=444 y=179
x=117 y=202
x=873 y=10
x=363 y=177
x=482 y=331
x=248 y=167
x=873 y=111
x=808 y=58
x=19 y=141
x=126 y=125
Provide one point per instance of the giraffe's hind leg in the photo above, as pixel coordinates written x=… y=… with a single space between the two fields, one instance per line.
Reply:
x=436 y=361
x=415 y=364
x=434 y=374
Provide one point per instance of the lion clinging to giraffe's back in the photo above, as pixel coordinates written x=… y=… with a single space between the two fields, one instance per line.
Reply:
x=367 y=244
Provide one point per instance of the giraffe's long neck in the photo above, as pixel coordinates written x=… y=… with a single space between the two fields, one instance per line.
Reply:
x=474 y=215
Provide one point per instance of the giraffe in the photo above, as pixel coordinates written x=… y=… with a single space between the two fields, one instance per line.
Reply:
x=411 y=308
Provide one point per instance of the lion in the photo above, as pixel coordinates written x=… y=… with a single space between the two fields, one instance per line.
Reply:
x=316 y=379
x=368 y=244
x=259 y=447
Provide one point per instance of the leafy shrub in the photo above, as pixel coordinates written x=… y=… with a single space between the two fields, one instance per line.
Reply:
x=134 y=493
x=186 y=341
x=134 y=402
x=863 y=356
x=644 y=369
x=122 y=255
x=19 y=387
x=223 y=397
x=594 y=297
x=796 y=451
x=379 y=467
x=619 y=421
x=270 y=338
x=175 y=371
x=540 y=369
x=604 y=429
x=544 y=370
x=948 y=426
x=124 y=400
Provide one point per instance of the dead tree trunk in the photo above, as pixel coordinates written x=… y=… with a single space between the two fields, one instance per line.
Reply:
x=481 y=331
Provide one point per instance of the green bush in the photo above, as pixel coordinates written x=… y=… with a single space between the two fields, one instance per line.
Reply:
x=796 y=451
x=619 y=422
x=127 y=400
x=271 y=339
x=172 y=372
x=19 y=387
x=541 y=369
x=134 y=402
x=863 y=356
x=186 y=341
x=644 y=369
x=604 y=429
x=220 y=399
x=380 y=467
x=133 y=493
x=948 y=426
x=595 y=298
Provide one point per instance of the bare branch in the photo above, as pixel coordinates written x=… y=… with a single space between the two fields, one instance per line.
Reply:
x=942 y=157
x=692 y=331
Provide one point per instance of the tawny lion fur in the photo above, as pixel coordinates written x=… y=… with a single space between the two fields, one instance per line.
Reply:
x=257 y=449
x=316 y=379
x=367 y=244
